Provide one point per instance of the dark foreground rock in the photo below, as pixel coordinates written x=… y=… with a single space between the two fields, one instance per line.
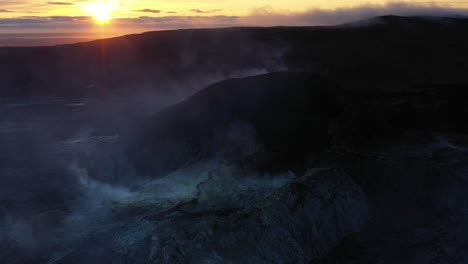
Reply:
x=233 y=217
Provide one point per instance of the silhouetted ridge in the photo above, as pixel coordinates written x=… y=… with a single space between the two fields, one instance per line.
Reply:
x=390 y=48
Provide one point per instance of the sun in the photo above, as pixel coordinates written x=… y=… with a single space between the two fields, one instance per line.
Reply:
x=101 y=11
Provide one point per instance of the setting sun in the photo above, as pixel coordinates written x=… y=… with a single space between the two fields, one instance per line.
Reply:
x=102 y=12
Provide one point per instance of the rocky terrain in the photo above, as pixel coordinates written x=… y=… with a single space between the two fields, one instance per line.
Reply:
x=352 y=150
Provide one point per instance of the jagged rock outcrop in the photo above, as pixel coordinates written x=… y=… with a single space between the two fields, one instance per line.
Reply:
x=235 y=217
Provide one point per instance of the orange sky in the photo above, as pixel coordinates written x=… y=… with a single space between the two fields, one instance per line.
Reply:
x=127 y=8
x=140 y=15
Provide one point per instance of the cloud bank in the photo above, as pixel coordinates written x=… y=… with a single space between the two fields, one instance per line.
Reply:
x=266 y=16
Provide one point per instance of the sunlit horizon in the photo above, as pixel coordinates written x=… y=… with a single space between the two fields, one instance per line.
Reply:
x=119 y=17
x=132 y=9
x=101 y=11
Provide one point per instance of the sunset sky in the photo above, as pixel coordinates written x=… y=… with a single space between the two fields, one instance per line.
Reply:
x=129 y=16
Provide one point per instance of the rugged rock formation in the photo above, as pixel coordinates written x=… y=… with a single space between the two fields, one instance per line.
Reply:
x=234 y=217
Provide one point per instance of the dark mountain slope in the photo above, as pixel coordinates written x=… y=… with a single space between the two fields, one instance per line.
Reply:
x=404 y=146
x=386 y=49
x=270 y=119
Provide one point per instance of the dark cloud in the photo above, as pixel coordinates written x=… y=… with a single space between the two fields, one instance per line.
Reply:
x=148 y=10
x=69 y=18
x=5 y=11
x=174 y=22
x=60 y=3
x=200 y=11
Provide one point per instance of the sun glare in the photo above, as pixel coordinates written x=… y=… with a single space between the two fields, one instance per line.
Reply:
x=101 y=11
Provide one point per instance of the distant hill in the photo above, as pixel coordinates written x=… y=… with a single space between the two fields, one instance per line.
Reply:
x=42 y=39
x=272 y=120
x=385 y=50
x=276 y=122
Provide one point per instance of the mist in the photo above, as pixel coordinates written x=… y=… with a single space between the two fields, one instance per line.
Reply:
x=66 y=174
x=240 y=145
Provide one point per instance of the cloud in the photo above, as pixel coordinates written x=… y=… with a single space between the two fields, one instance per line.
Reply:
x=5 y=11
x=44 y=24
x=200 y=11
x=148 y=10
x=60 y=3
x=266 y=16
x=176 y=22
